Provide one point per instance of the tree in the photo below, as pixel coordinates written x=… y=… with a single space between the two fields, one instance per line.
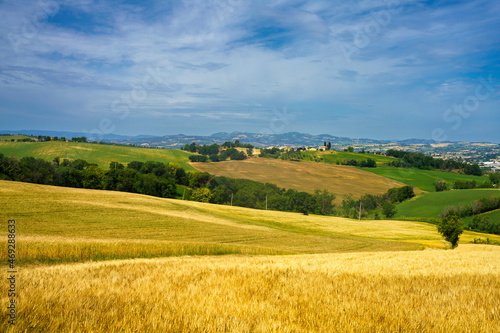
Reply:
x=201 y=194
x=389 y=210
x=116 y=165
x=495 y=178
x=329 y=145
x=440 y=185
x=451 y=228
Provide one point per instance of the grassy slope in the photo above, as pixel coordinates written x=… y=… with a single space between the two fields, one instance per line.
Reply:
x=494 y=216
x=15 y=137
x=423 y=179
x=430 y=205
x=334 y=156
x=94 y=153
x=304 y=176
x=57 y=223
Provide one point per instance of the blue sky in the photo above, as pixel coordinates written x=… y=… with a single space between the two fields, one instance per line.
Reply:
x=368 y=69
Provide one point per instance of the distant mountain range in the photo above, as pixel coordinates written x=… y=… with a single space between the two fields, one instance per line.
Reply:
x=290 y=139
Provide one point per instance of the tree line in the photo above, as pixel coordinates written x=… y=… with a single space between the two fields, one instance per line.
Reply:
x=369 y=203
x=441 y=185
x=161 y=180
x=421 y=161
x=217 y=153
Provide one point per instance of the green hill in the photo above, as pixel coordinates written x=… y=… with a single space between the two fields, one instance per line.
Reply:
x=102 y=155
x=334 y=156
x=423 y=179
x=428 y=206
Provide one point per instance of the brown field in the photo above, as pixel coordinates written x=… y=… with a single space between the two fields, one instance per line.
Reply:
x=422 y=291
x=303 y=176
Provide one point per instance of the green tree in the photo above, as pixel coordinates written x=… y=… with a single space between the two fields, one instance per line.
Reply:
x=116 y=165
x=495 y=177
x=440 y=185
x=451 y=228
x=389 y=210
x=202 y=194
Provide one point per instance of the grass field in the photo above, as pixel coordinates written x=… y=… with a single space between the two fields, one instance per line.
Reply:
x=334 y=156
x=431 y=205
x=281 y=272
x=422 y=179
x=14 y=137
x=303 y=176
x=494 y=216
x=102 y=155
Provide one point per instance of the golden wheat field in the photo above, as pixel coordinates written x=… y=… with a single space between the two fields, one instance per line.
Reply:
x=101 y=261
x=421 y=291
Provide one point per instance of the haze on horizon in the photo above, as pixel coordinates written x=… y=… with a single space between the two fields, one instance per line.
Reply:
x=381 y=69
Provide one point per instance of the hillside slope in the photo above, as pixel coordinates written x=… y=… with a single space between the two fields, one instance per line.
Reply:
x=51 y=219
x=102 y=155
x=304 y=176
x=430 y=205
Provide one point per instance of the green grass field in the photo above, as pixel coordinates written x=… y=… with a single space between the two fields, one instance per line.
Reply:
x=102 y=155
x=423 y=179
x=494 y=216
x=334 y=156
x=430 y=205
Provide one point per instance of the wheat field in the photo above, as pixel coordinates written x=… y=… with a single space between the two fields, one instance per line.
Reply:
x=419 y=291
x=100 y=261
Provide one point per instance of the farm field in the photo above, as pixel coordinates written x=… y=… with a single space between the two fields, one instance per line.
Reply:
x=101 y=155
x=303 y=176
x=430 y=205
x=422 y=179
x=419 y=291
x=188 y=266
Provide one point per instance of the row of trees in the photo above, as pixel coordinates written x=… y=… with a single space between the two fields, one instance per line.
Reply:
x=161 y=179
x=369 y=163
x=216 y=153
x=441 y=185
x=476 y=207
x=151 y=178
x=252 y=194
x=484 y=224
x=230 y=153
x=369 y=203
x=421 y=161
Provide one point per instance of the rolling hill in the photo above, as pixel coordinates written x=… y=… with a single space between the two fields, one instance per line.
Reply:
x=102 y=155
x=430 y=205
x=304 y=176
x=280 y=272
x=422 y=179
x=106 y=224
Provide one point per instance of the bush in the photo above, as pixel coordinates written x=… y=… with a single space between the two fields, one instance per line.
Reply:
x=198 y=158
x=440 y=186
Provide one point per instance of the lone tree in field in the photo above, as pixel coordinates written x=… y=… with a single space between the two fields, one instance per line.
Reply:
x=451 y=228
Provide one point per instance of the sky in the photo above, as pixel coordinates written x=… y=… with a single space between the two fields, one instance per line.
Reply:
x=380 y=69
